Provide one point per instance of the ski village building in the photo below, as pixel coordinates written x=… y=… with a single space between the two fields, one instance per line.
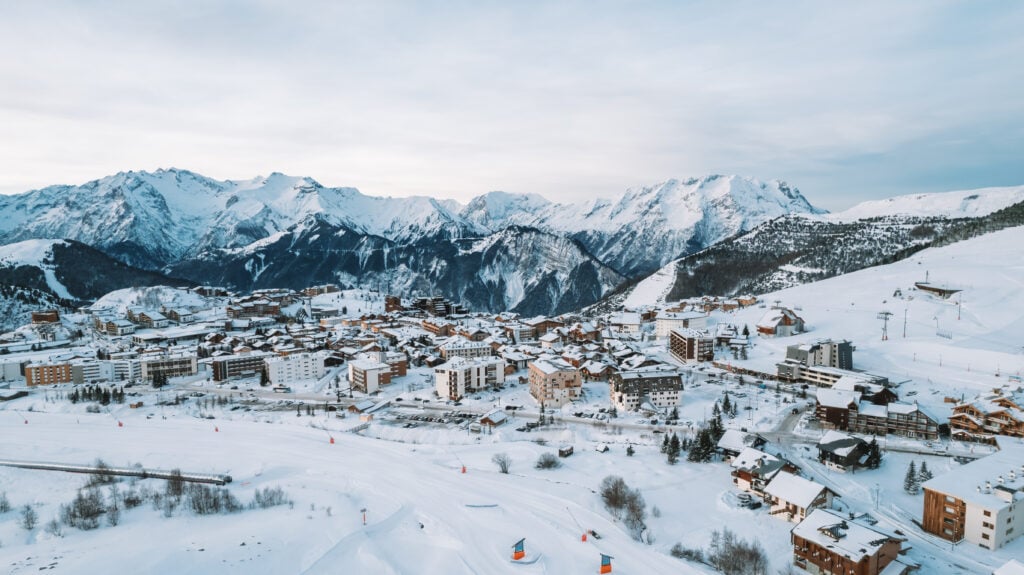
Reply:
x=987 y=416
x=660 y=385
x=459 y=376
x=459 y=346
x=290 y=369
x=829 y=543
x=666 y=321
x=691 y=346
x=554 y=382
x=780 y=322
x=792 y=497
x=847 y=411
x=981 y=502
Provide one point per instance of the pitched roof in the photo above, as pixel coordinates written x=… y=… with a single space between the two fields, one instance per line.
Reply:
x=794 y=489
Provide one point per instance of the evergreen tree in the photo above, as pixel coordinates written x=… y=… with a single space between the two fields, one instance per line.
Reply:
x=924 y=474
x=630 y=451
x=264 y=377
x=664 y=444
x=910 y=482
x=726 y=403
x=746 y=330
x=874 y=458
x=674 y=447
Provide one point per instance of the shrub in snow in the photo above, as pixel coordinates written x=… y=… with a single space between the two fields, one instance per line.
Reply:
x=547 y=461
x=269 y=497
x=5 y=505
x=29 y=518
x=503 y=461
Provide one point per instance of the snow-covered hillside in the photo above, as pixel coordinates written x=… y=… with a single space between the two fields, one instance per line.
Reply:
x=38 y=254
x=958 y=204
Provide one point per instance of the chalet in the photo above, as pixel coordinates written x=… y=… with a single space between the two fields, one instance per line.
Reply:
x=794 y=497
x=734 y=441
x=45 y=316
x=780 y=322
x=840 y=451
x=753 y=469
x=118 y=327
x=152 y=319
x=941 y=291
x=833 y=407
x=180 y=315
x=987 y=416
x=494 y=418
x=595 y=371
x=827 y=542
x=625 y=322
x=361 y=406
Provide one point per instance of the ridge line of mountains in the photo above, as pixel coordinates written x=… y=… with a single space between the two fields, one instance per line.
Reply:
x=498 y=252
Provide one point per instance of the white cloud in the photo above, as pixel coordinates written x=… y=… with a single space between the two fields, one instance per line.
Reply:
x=569 y=100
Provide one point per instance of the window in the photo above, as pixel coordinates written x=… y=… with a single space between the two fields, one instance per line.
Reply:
x=985 y=536
x=988 y=513
x=986 y=525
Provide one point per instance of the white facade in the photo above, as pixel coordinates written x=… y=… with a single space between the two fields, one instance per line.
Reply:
x=667 y=321
x=454 y=379
x=459 y=346
x=290 y=369
x=367 y=376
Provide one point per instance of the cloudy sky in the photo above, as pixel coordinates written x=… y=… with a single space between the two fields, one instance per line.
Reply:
x=569 y=100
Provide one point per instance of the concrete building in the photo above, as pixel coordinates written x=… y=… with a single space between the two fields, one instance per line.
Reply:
x=367 y=375
x=691 y=346
x=294 y=368
x=666 y=321
x=226 y=367
x=459 y=376
x=47 y=373
x=169 y=365
x=981 y=502
x=459 y=346
x=554 y=382
x=659 y=385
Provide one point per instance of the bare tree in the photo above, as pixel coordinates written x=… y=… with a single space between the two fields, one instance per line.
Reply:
x=503 y=461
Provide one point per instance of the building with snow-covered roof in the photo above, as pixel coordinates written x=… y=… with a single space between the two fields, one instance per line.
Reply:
x=458 y=346
x=666 y=321
x=459 y=376
x=288 y=370
x=987 y=416
x=554 y=382
x=780 y=322
x=792 y=497
x=734 y=441
x=691 y=346
x=226 y=367
x=661 y=386
x=981 y=502
x=827 y=542
x=753 y=469
x=841 y=451
x=367 y=375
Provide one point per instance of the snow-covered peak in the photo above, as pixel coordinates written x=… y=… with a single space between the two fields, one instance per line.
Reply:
x=958 y=204
x=495 y=210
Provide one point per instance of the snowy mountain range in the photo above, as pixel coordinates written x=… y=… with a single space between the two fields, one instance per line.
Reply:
x=500 y=251
x=801 y=248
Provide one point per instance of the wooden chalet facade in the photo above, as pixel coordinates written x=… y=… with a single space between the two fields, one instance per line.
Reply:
x=986 y=417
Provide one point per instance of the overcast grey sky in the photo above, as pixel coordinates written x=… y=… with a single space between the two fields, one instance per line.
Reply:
x=847 y=101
